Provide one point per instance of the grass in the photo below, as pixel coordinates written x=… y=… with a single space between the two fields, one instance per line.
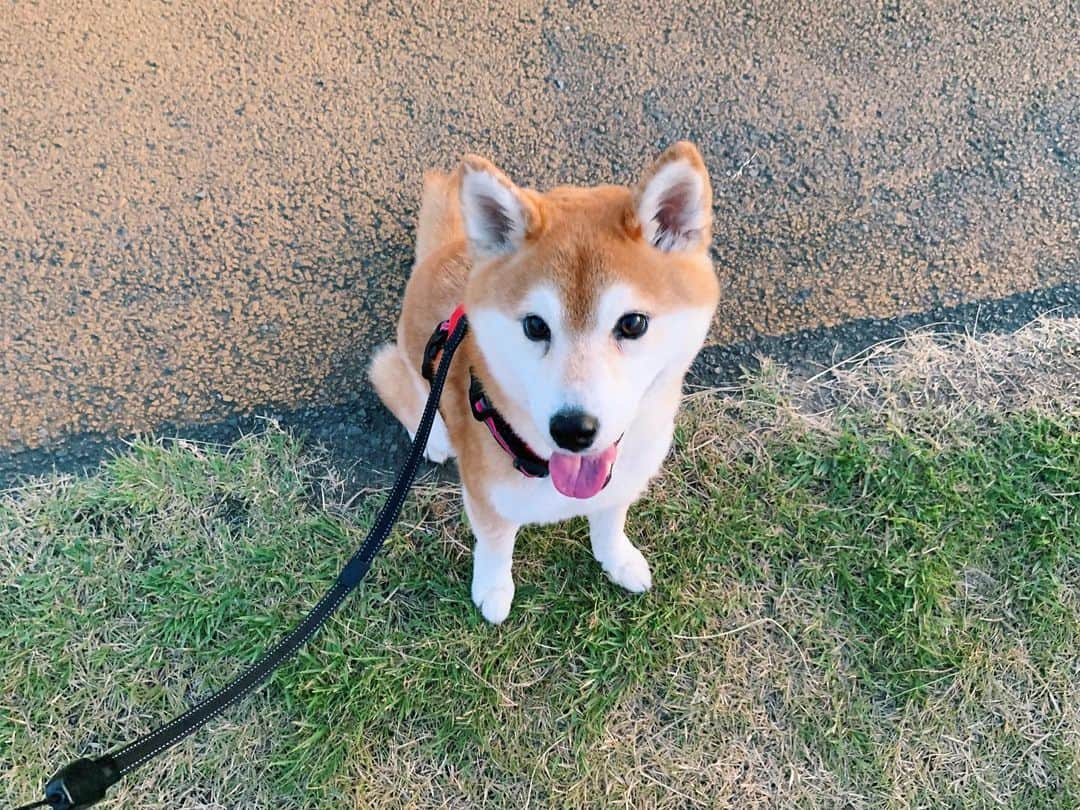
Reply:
x=866 y=595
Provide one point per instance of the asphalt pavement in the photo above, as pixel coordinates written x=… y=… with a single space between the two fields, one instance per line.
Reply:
x=208 y=208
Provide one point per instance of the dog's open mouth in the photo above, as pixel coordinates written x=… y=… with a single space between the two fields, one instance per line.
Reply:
x=582 y=476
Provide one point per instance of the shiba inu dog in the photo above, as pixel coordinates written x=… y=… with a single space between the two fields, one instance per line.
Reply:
x=586 y=307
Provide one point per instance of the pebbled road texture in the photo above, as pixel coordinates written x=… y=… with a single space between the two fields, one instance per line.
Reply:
x=207 y=207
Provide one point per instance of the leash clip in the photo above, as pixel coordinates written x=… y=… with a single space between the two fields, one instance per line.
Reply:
x=437 y=341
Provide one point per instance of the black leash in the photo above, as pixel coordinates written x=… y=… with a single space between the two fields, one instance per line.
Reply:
x=84 y=782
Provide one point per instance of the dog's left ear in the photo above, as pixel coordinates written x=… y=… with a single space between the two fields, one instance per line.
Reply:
x=673 y=201
x=498 y=216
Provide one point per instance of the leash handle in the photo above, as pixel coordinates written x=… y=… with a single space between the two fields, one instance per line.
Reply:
x=84 y=782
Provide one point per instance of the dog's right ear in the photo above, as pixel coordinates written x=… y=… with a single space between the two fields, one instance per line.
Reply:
x=498 y=216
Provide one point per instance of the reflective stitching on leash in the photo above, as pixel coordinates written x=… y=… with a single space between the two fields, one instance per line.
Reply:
x=85 y=781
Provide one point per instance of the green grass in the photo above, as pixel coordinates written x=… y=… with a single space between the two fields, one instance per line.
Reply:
x=861 y=611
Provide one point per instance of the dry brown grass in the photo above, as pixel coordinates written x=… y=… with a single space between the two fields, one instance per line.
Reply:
x=942 y=375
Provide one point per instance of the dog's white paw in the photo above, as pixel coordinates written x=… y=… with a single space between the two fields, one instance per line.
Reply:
x=494 y=598
x=629 y=569
x=437 y=454
x=438 y=450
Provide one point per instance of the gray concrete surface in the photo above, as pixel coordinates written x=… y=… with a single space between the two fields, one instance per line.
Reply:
x=207 y=208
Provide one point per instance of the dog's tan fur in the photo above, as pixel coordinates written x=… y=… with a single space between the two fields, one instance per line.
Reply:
x=578 y=240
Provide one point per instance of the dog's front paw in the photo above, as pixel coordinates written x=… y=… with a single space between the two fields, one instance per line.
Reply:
x=438 y=455
x=438 y=449
x=629 y=569
x=493 y=598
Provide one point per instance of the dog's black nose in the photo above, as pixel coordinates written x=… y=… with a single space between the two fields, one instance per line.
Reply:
x=573 y=429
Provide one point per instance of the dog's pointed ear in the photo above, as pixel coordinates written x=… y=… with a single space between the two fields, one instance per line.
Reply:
x=673 y=201
x=498 y=216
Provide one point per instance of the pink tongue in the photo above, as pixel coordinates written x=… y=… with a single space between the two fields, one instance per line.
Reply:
x=581 y=476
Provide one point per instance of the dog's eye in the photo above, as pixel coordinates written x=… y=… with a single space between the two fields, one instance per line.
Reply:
x=632 y=325
x=536 y=328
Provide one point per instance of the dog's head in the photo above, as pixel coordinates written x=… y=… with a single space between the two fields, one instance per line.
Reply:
x=584 y=299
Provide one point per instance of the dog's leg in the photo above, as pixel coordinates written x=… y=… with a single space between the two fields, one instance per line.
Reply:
x=403 y=391
x=621 y=561
x=438 y=448
x=492 y=582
